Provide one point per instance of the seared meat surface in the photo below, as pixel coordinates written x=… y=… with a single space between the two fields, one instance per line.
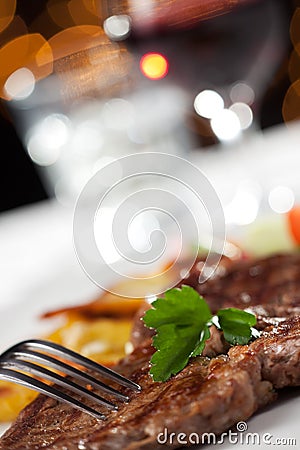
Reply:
x=211 y=394
x=268 y=287
x=271 y=284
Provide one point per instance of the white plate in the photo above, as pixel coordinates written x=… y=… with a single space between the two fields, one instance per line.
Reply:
x=39 y=272
x=278 y=421
x=20 y=319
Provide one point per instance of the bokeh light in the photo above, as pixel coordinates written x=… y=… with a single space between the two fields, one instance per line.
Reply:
x=294 y=64
x=244 y=206
x=87 y=139
x=295 y=28
x=291 y=103
x=31 y=51
x=244 y=113
x=20 y=84
x=242 y=92
x=7 y=12
x=117 y=27
x=154 y=66
x=208 y=103
x=59 y=13
x=46 y=140
x=83 y=12
x=17 y=28
x=76 y=39
x=281 y=199
x=226 y=125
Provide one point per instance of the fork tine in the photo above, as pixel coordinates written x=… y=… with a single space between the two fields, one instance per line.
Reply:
x=50 y=391
x=58 y=350
x=17 y=360
x=56 y=378
x=63 y=367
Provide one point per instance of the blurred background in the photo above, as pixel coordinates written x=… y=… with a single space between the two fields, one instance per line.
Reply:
x=83 y=82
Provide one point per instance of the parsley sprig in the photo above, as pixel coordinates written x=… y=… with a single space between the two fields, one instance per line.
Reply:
x=182 y=321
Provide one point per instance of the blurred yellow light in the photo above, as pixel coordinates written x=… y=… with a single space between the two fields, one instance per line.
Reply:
x=295 y=27
x=31 y=51
x=17 y=27
x=93 y=6
x=294 y=64
x=59 y=13
x=291 y=103
x=7 y=12
x=83 y=12
x=67 y=13
x=76 y=39
x=154 y=66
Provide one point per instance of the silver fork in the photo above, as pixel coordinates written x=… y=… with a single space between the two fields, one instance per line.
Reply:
x=21 y=364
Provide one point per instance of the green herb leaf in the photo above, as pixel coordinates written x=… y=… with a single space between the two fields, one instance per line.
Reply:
x=182 y=320
x=174 y=345
x=179 y=307
x=236 y=325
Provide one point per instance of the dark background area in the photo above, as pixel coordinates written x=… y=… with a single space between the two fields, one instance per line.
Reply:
x=20 y=183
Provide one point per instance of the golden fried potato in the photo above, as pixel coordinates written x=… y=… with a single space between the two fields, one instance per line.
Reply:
x=13 y=398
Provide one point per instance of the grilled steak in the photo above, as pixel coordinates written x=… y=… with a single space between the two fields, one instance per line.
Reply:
x=271 y=283
x=211 y=394
x=268 y=287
